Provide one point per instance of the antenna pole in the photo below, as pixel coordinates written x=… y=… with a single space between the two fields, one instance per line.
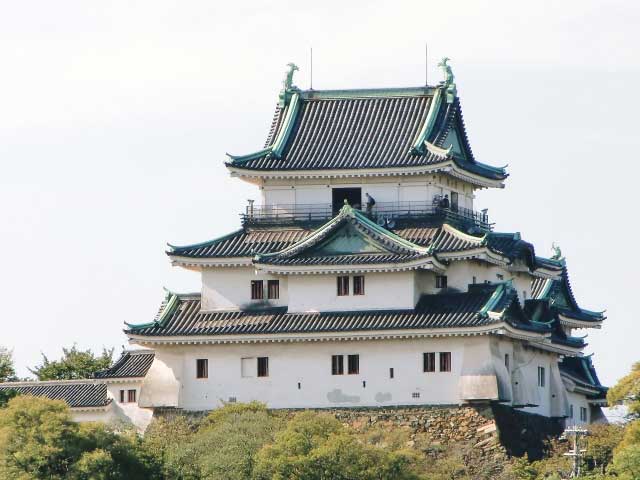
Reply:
x=311 y=81
x=426 y=64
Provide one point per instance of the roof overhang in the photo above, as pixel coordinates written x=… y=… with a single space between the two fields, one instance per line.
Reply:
x=429 y=263
x=575 y=323
x=447 y=167
x=501 y=328
x=198 y=263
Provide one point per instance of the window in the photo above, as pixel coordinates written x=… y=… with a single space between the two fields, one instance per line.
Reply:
x=474 y=280
x=257 y=289
x=353 y=364
x=263 y=366
x=343 y=286
x=358 y=285
x=391 y=373
x=441 y=281
x=454 y=201
x=541 y=379
x=524 y=294
x=337 y=365
x=202 y=368
x=273 y=289
x=500 y=276
x=121 y=396
x=131 y=396
x=445 y=361
x=583 y=414
x=570 y=411
x=429 y=362
x=506 y=362
x=415 y=395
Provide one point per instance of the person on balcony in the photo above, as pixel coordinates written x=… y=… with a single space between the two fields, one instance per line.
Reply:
x=444 y=203
x=370 y=203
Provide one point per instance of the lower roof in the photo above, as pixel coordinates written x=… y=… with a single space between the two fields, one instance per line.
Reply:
x=582 y=372
x=482 y=305
x=132 y=364
x=75 y=393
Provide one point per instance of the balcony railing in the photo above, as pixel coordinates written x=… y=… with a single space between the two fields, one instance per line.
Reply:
x=384 y=213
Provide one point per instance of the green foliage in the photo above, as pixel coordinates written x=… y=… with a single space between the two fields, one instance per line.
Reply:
x=7 y=369
x=626 y=463
x=627 y=391
x=74 y=364
x=39 y=440
x=317 y=447
x=6 y=395
x=601 y=442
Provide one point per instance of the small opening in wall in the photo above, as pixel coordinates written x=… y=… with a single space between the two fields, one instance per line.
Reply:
x=233 y=399
x=364 y=384
x=299 y=386
x=415 y=395
x=391 y=373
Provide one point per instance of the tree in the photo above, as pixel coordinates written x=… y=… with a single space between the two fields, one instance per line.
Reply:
x=601 y=443
x=38 y=439
x=7 y=369
x=626 y=463
x=318 y=447
x=74 y=364
x=627 y=391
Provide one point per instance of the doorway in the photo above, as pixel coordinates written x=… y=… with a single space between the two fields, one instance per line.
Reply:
x=353 y=196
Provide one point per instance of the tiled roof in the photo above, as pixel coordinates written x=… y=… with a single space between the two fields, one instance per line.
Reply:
x=446 y=310
x=364 y=130
x=243 y=243
x=581 y=371
x=439 y=238
x=131 y=364
x=75 y=394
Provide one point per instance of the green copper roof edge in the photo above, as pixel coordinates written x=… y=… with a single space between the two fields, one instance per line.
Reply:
x=250 y=156
x=287 y=126
x=203 y=244
x=493 y=299
x=167 y=311
x=383 y=231
x=593 y=313
x=419 y=144
x=367 y=92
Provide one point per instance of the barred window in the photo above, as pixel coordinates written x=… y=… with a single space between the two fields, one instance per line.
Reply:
x=121 y=396
x=273 y=289
x=541 y=377
x=583 y=414
x=202 y=368
x=445 y=361
x=263 y=366
x=441 y=281
x=257 y=289
x=131 y=396
x=343 y=286
x=337 y=365
x=429 y=362
x=353 y=364
x=358 y=285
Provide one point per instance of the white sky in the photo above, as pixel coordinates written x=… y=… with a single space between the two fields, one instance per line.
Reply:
x=115 y=116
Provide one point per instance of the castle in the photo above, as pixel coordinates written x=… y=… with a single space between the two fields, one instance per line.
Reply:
x=365 y=276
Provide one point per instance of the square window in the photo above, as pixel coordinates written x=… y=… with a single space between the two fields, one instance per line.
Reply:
x=500 y=276
x=257 y=290
x=202 y=368
x=441 y=281
x=445 y=361
x=337 y=365
x=415 y=395
x=358 y=285
x=541 y=377
x=131 y=396
x=353 y=364
x=263 y=366
x=429 y=362
x=343 y=286
x=122 y=400
x=273 y=289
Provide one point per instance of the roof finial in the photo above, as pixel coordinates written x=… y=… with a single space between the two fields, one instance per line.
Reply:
x=449 y=80
x=287 y=84
x=557 y=253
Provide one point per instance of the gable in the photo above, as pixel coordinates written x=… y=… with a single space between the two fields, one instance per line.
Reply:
x=346 y=240
x=452 y=140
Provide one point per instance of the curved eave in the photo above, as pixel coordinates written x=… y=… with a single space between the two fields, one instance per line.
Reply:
x=499 y=328
x=448 y=166
x=427 y=263
x=576 y=323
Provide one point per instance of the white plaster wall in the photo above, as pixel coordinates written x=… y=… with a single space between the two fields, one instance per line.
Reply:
x=129 y=412
x=460 y=274
x=524 y=374
x=230 y=288
x=382 y=291
x=383 y=189
x=577 y=400
x=310 y=365
x=104 y=416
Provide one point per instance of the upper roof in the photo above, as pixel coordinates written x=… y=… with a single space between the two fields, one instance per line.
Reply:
x=366 y=129
x=75 y=393
x=482 y=305
x=131 y=364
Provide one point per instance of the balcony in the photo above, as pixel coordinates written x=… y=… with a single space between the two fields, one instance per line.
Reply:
x=388 y=214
